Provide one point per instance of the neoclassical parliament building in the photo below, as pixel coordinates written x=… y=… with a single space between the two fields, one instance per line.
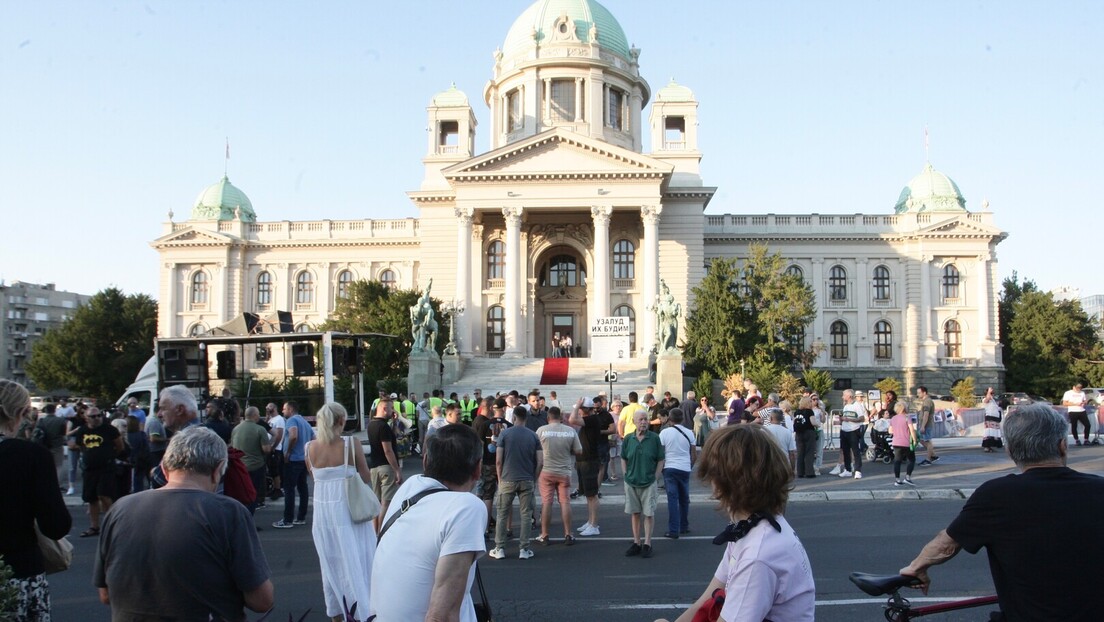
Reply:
x=567 y=218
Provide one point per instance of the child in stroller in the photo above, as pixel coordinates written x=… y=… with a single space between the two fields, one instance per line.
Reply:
x=880 y=438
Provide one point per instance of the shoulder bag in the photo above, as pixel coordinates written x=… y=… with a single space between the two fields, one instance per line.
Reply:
x=363 y=503
x=57 y=555
x=482 y=608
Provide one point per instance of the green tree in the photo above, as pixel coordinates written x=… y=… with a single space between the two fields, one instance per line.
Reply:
x=818 y=381
x=751 y=309
x=964 y=392
x=1047 y=338
x=703 y=386
x=98 y=351
x=889 y=384
x=1011 y=292
x=372 y=307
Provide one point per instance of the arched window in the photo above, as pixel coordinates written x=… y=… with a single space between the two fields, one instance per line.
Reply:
x=496 y=329
x=563 y=271
x=199 y=288
x=264 y=289
x=837 y=284
x=388 y=278
x=883 y=340
x=627 y=311
x=745 y=281
x=496 y=260
x=302 y=327
x=624 y=260
x=795 y=340
x=304 y=288
x=795 y=270
x=950 y=282
x=881 y=283
x=197 y=329
x=839 y=340
x=952 y=338
x=344 y=280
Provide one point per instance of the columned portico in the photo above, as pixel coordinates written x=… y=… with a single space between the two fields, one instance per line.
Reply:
x=463 y=275
x=650 y=214
x=601 y=277
x=514 y=286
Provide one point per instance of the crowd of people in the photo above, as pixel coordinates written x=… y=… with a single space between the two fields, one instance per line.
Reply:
x=488 y=453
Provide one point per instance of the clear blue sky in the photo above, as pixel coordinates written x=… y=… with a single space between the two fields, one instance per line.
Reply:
x=113 y=113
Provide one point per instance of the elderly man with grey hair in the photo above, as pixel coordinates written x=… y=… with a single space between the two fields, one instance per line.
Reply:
x=198 y=551
x=1034 y=526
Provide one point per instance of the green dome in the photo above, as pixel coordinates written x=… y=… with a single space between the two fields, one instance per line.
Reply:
x=931 y=191
x=220 y=202
x=542 y=15
x=451 y=98
x=674 y=92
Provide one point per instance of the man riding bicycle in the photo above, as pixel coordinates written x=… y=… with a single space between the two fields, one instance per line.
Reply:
x=1036 y=526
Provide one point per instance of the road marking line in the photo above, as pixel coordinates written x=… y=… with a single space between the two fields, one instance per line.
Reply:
x=819 y=603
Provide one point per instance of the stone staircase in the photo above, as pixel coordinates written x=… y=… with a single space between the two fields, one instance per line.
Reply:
x=584 y=377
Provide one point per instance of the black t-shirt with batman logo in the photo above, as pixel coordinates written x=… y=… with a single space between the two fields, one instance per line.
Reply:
x=97 y=446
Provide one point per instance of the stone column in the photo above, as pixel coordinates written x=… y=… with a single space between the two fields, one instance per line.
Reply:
x=463 y=274
x=168 y=329
x=601 y=277
x=862 y=298
x=578 y=99
x=646 y=338
x=820 y=295
x=984 y=326
x=925 y=298
x=513 y=280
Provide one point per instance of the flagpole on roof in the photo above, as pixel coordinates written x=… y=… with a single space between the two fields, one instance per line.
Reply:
x=226 y=164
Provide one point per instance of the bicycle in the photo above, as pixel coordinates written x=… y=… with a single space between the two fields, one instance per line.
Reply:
x=898 y=608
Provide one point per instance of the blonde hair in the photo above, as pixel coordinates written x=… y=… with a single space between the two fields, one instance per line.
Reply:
x=331 y=417
x=15 y=402
x=805 y=403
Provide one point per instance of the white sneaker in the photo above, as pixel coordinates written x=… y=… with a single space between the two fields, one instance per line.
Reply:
x=525 y=554
x=908 y=480
x=590 y=531
x=585 y=526
x=858 y=474
x=497 y=553
x=835 y=471
x=72 y=491
x=845 y=473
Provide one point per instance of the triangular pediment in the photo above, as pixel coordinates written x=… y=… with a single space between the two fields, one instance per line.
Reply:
x=192 y=237
x=558 y=153
x=959 y=225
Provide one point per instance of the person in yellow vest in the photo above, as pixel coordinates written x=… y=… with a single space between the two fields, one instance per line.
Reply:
x=407 y=409
x=467 y=408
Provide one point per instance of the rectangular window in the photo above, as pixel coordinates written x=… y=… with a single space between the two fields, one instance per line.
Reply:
x=616 y=109
x=449 y=135
x=674 y=133
x=563 y=100
x=514 y=119
x=68 y=304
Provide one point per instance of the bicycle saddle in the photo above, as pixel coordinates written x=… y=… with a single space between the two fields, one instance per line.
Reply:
x=881 y=584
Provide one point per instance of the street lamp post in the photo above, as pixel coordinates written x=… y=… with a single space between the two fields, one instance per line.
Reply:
x=452 y=309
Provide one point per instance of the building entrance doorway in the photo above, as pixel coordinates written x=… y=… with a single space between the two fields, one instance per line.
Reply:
x=561 y=304
x=563 y=341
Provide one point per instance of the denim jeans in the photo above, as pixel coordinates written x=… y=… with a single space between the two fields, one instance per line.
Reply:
x=677 y=484
x=295 y=478
x=506 y=493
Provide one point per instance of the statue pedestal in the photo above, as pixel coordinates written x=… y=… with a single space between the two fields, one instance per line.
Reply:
x=425 y=372
x=669 y=374
x=454 y=368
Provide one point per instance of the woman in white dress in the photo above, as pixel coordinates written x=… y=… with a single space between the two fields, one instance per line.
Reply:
x=345 y=549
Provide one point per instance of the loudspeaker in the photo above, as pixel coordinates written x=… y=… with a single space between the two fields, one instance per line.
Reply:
x=302 y=359
x=173 y=363
x=344 y=360
x=227 y=365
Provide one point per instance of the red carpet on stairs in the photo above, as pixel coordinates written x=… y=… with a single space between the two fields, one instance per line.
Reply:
x=555 y=371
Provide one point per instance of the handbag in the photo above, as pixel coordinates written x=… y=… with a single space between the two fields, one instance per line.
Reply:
x=363 y=503
x=57 y=555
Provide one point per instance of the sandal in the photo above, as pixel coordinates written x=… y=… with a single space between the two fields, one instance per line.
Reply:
x=543 y=540
x=91 y=531
x=569 y=540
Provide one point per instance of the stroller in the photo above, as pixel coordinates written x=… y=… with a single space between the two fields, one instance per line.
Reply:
x=881 y=449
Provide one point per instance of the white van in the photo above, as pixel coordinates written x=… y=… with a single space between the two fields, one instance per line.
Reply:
x=144 y=387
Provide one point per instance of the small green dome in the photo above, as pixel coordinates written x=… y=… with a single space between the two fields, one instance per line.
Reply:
x=541 y=17
x=931 y=191
x=451 y=98
x=674 y=92
x=221 y=201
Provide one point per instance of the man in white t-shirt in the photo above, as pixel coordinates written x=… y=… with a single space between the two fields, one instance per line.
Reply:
x=681 y=451
x=276 y=425
x=1074 y=400
x=851 y=422
x=415 y=577
x=785 y=437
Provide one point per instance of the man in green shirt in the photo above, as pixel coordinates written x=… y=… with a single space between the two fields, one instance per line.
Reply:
x=252 y=440
x=642 y=457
